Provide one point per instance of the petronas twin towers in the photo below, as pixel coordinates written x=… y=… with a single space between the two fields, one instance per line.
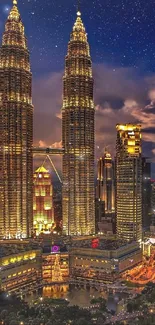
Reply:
x=16 y=131
x=16 y=134
x=78 y=136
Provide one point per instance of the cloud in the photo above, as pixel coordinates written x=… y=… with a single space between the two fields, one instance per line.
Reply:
x=151 y=95
x=59 y=115
x=57 y=145
x=42 y=144
x=115 y=85
x=47 y=100
x=121 y=96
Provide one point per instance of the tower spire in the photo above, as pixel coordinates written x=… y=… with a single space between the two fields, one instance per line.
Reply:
x=78 y=8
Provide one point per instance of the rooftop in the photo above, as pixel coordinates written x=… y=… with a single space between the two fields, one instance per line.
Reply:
x=41 y=169
x=100 y=243
x=8 y=248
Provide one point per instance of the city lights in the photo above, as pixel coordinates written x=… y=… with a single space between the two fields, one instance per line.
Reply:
x=88 y=229
x=16 y=121
x=78 y=136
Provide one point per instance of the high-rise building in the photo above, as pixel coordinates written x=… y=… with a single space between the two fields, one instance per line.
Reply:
x=78 y=136
x=99 y=213
x=16 y=131
x=152 y=228
x=105 y=195
x=57 y=201
x=146 y=193
x=105 y=182
x=43 y=210
x=129 y=182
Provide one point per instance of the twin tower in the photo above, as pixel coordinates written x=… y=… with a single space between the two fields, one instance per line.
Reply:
x=16 y=134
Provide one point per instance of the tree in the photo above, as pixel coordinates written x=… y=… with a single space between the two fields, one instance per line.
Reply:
x=13 y=322
x=100 y=320
x=82 y=321
x=3 y=314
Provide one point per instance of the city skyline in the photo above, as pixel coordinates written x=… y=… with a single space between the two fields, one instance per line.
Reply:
x=128 y=84
x=81 y=251
x=76 y=252
x=125 y=83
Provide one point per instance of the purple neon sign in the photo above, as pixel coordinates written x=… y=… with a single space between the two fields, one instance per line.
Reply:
x=55 y=249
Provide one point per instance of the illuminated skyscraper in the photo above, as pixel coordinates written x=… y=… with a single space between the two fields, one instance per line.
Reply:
x=105 y=182
x=78 y=136
x=146 y=193
x=43 y=211
x=16 y=131
x=152 y=228
x=129 y=182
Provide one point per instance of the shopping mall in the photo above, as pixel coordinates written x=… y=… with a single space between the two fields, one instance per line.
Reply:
x=29 y=265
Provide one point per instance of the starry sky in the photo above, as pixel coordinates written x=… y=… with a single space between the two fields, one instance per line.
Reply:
x=121 y=35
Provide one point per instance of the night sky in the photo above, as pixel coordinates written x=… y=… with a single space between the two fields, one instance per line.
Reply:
x=121 y=35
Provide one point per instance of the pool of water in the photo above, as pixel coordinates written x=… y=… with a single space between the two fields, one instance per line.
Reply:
x=78 y=296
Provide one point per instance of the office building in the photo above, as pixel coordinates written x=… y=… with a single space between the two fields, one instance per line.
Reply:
x=16 y=131
x=129 y=182
x=146 y=193
x=20 y=265
x=102 y=260
x=105 y=192
x=78 y=136
x=43 y=210
x=105 y=182
x=57 y=201
x=152 y=228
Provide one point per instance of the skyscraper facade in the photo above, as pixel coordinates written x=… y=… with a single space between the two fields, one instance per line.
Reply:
x=43 y=210
x=16 y=131
x=129 y=182
x=152 y=228
x=146 y=193
x=105 y=182
x=78 y=136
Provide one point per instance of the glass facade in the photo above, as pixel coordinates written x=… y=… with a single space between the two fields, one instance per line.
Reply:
x=129 y=182
x=153 y=203
x=105 y=182
x=16 y=131
x=146 y=198
x=78 y=136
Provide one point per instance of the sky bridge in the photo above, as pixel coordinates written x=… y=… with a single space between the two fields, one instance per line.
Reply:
x=47 y=151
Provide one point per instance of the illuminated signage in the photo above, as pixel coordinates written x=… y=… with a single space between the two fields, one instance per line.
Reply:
x=55 y=249
x=95 y=243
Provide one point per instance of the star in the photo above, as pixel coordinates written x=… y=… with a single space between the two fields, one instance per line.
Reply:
x=6 y=8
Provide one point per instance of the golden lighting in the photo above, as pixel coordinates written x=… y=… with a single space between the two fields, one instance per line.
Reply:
x=16 y=143
x=43 y=209
x=129 y=181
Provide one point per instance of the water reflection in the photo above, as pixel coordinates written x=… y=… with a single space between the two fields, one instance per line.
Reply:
x=82 y=296
x=56 y=291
